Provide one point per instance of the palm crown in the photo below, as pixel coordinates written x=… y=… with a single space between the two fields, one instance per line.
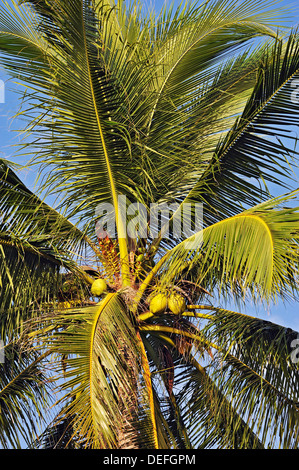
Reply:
x=185 y=108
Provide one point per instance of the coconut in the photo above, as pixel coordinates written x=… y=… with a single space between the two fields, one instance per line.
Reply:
x=177 y=304
x=158 y=304
x=140 y=258
x=98 y=287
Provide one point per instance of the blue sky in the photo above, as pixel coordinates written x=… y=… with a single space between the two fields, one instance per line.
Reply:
x=285 y=315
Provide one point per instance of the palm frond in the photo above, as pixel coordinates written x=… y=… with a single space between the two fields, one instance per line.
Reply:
x=251 y=252
x=23 y=396
x=259 y=143
x=102 y=371
x=197 y=40
x=29 y=279
x=211 y=419
x=198 y=413
x=30 y=216
x=37 y=245
x=259 y=370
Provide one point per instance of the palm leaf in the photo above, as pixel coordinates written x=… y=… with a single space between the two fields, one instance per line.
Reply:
x=28 y=279
x=23 y=394
x=196 y=39
x=17 y=37
x=58 y=435
x=211 y=419
x=249 y=252
x=247 y=150
x=255 y=364
x=37 y=244
x=246 y=395
x=255 y=145
x=33 y=218
x=204 y=416
x=101 y=375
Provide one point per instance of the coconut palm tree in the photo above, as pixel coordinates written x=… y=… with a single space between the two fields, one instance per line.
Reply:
x=136 y=340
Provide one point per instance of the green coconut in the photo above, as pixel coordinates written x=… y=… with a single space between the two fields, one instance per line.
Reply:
x=98 y=287
x=140 y=258
x=158 y=304
x=177 y=304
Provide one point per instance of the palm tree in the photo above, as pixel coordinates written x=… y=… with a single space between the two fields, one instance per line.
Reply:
x=189 y=108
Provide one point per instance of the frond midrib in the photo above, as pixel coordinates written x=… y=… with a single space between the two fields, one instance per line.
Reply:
x=119 y=219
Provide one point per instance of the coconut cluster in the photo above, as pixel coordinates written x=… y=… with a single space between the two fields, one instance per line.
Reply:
x=176 y=303
x=161 y=302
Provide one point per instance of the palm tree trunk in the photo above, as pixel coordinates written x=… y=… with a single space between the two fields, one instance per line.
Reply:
x=128 y=401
